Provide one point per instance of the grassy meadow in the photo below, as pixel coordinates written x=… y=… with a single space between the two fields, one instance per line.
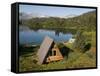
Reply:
x=75 y=59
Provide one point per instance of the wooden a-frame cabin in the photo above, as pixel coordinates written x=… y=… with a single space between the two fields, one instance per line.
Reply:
x=48 y=51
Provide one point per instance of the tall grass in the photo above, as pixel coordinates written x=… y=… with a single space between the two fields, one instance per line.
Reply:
x=75 y=59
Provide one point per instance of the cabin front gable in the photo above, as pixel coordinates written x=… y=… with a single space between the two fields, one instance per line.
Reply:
x=54 y=54
x=48 y=51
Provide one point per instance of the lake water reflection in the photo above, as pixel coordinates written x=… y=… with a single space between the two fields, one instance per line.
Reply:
x=31 y=36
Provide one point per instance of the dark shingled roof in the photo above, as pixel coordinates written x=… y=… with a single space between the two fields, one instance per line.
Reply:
x=44 y=48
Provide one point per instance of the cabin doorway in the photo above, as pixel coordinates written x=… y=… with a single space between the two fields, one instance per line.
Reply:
x=52 y=53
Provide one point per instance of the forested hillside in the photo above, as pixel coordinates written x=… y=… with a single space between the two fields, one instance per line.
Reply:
x=84 y=21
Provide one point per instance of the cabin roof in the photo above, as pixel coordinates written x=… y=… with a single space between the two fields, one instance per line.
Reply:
x=44 y=48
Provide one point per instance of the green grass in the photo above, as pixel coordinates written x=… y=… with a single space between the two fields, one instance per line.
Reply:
x=91 y=37
x=75 y=59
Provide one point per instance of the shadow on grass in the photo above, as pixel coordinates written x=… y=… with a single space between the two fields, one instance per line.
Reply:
x=65 y=51
x=87 y=47
x=26 y=50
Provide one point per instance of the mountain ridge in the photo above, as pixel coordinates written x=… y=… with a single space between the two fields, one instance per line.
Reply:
x=86 y=20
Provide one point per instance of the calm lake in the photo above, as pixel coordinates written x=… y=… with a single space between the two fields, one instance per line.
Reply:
x=33 y=36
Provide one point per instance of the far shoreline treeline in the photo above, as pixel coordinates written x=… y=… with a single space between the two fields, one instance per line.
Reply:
x=86 y=21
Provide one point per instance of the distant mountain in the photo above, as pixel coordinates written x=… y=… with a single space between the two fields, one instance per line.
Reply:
x=69 y=16
x=86 y=21
x=25 y=16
